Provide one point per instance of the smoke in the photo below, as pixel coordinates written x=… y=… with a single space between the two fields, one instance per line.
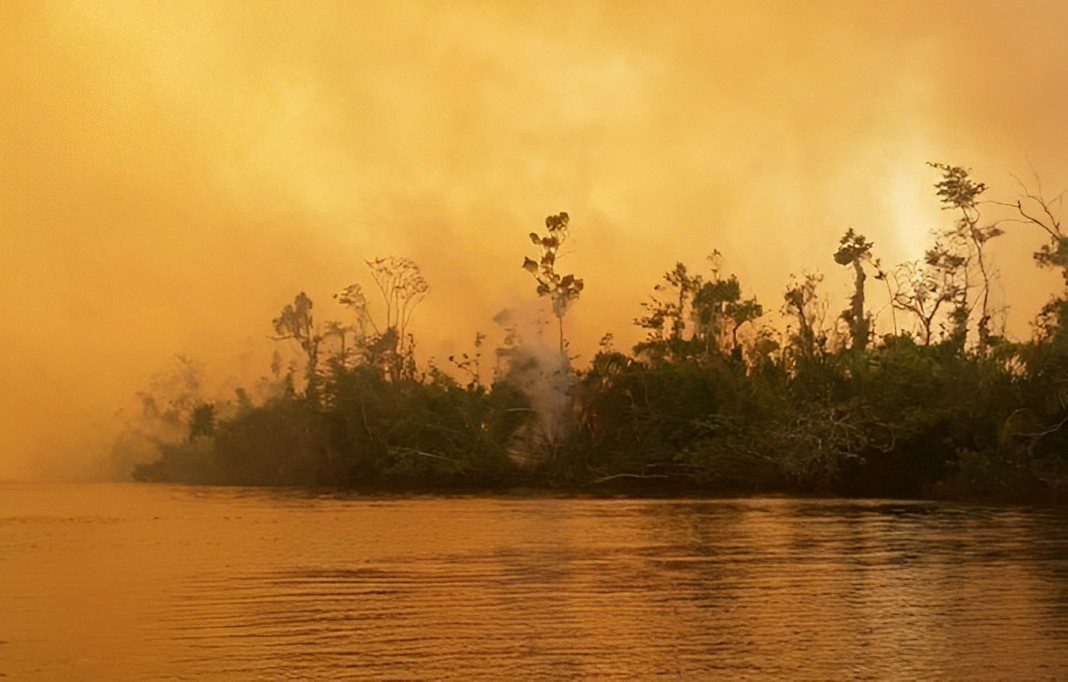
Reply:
x=530 y=360
x=160 y=414
x=172 y=173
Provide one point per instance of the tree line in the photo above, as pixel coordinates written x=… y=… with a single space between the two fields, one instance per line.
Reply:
x=715 y=399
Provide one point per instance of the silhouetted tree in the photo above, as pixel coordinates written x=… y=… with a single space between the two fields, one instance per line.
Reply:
x=562 y=290
x=1033 y=208
x=719 y=310
x=202 y=421
x=297 y=323
x=957 y=191
x=696 y=406
x=386 y=341
x=854 y=249
x=713 y=305
x=471 y=363
x=802 y=303
x=922 y=290
x=679 y=287
x=335 y=329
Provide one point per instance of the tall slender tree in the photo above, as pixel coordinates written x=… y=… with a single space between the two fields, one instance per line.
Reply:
x=386 y=340
x=854 y=249
x=561 y=289
x=958 y=191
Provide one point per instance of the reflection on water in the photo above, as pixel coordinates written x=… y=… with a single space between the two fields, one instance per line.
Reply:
x=134 y=582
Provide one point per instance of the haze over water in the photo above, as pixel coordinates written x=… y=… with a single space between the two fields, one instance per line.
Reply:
x=160 y=582
x=172 y=173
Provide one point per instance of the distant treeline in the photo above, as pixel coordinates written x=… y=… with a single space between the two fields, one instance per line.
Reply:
x=714 y=400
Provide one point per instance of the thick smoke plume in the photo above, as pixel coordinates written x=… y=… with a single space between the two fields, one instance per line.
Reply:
x=530 y=359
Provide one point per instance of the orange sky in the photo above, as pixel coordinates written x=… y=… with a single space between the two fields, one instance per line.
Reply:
x=173 y=173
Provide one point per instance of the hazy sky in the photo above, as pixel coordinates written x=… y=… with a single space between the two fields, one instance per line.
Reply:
x=173 y=173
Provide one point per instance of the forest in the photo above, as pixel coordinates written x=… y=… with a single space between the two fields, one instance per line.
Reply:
x=717 y=399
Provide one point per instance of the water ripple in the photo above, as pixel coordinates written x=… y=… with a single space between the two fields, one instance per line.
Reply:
x=197 y=583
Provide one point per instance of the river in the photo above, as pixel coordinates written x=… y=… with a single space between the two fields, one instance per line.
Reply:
x=126 y=581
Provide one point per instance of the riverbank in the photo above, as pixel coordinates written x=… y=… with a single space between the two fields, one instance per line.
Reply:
x=638 y=491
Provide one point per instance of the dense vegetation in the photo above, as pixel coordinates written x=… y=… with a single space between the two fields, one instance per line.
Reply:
x=715 y=399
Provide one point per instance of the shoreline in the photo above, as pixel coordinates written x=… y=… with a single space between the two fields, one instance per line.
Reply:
x=576 y=493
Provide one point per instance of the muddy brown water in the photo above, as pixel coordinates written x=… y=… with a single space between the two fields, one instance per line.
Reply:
x=126 y=581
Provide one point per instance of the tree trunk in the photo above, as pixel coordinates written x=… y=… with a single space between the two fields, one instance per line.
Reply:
x=860 y=322
x=560 y=327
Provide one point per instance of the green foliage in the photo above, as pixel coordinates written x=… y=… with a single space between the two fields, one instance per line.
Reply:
x=711 y=310
x=713 y=400
x=368 y=432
